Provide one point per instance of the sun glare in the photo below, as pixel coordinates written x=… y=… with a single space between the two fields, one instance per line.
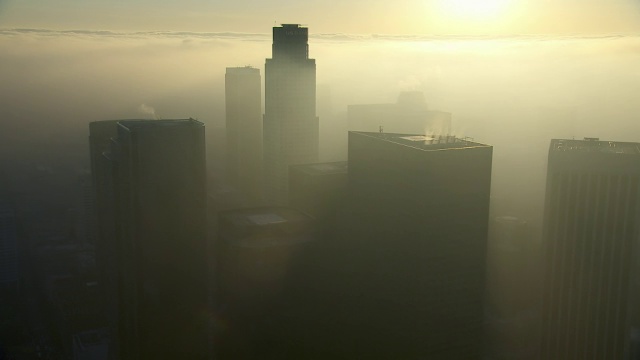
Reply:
x=474 y=10
x=473 y=17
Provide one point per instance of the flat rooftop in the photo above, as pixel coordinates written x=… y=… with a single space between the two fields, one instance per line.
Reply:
x=141 y=124
x=243 y=70
x=337 y=167
x=594 y=145
x=424 y=142
x=266 y=226
x=264 y=216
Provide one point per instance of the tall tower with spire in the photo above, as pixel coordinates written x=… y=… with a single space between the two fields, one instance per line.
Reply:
x=290 y=121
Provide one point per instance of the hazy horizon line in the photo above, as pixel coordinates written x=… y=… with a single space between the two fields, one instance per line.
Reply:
x=318 y=36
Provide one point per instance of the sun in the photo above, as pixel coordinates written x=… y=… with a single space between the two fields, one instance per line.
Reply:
x=474 y=10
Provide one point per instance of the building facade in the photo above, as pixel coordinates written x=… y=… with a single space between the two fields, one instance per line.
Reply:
x=100 y=137
x=151 y=198
x=591 y=250
x=9 y=255
x=417 y=238
x=291 y=127
x=243 y=102
x=263 y=274
x=318 y=189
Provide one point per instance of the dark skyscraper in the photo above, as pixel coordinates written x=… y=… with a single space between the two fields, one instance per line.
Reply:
x=262 y=271
x=417 y=238
x=290 y=123
x=100 y=135
x=318 y=189
x=244 y=130
x=590 y=302
x=151 y=195
x=9 y=274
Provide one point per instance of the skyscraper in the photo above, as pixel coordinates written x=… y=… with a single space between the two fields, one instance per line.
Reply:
x=244 y=130
x=590 y=303
x=153 y=200
x=9 y=275
x=416 y=242
x=100 y=135
x=290 y=123
x=318 y=189
x=263 y=270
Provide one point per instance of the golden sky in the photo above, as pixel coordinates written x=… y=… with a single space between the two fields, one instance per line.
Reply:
x=469 y=17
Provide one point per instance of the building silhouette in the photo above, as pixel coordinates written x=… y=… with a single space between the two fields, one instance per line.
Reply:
x=410 y=114
x=291 y=130
x=591 y=224
x=9 y=254
x=410 y=263
x=151 y=203
x=513 y=289
x=243 y=100
x=318 y=189
x=261 y=273
x=84 y=224
x=100 y=135
x=90 y=345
